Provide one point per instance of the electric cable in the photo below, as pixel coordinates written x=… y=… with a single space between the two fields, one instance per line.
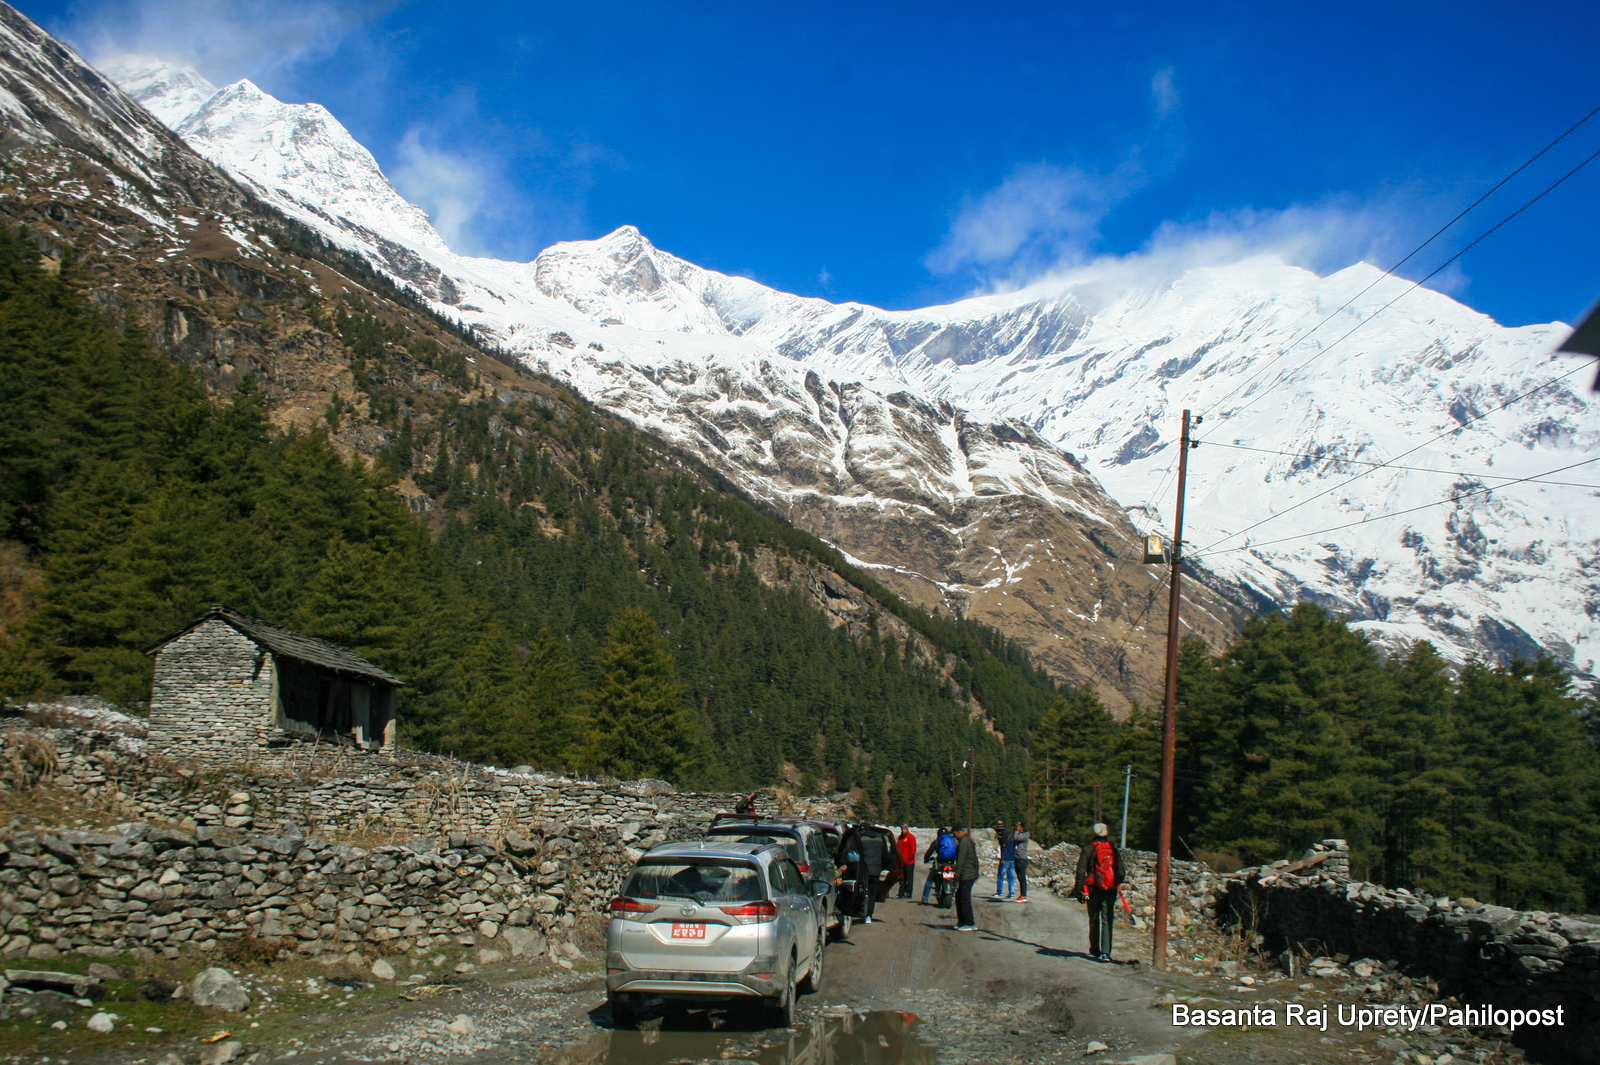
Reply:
x=1409 y=510
x=1409 y=256
x=1392 y=466
x=1448 y=432
x=1414 y=286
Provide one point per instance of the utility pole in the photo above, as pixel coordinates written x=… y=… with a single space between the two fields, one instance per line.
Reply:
x=1127 y=785
x=1169 y=730
x=972 y=773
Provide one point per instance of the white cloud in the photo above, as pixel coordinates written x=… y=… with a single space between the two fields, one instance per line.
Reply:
x=1040 y=217
x=451 y=187
x=223 y=39
x=1164 y=91
x=1324 y=237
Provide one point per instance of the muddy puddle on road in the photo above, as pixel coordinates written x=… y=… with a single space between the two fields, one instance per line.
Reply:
x=878 y=1038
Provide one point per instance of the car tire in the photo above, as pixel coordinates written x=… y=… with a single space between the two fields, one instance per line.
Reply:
x=813 y=981
x=841 y=929
x=624 y=1012
x=780 y=1009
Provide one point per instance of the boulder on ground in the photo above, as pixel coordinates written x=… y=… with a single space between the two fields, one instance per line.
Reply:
x=217 y=987
x=524 y=942
x=382 y=970
x=221 y=1053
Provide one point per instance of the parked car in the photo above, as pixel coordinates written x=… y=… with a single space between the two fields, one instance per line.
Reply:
x=708 y=922
x=805 y=842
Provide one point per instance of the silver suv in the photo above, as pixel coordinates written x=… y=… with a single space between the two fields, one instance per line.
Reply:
x=703 y=922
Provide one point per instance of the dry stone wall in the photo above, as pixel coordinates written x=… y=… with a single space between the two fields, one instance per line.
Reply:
x=138 y=887
x=337 y=791
x=393 y=855
x=1483 y=954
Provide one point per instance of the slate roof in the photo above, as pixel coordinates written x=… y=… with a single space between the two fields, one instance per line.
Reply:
x=289 y=644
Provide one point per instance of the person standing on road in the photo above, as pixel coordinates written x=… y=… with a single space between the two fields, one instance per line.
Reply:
x=1019 y=856
x=1098 y=878
x=874 y=857
x=943 y=843
x=967 y=869
x=907 y=844
x=1003 y=881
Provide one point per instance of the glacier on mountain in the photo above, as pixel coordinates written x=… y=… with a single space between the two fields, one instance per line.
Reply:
x=1306 y=383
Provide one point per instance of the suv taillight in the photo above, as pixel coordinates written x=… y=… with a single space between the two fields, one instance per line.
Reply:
x=624 y=907
x=805 y=870
x=752 y=912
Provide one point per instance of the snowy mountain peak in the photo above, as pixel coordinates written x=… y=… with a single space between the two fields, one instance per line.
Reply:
x=172 y=93
x=297 y=157
x=1306 y=382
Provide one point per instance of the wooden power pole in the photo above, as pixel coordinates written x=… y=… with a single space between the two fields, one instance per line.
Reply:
x=1169 y=730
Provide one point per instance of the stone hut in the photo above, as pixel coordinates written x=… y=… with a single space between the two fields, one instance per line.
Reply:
x=228 y=686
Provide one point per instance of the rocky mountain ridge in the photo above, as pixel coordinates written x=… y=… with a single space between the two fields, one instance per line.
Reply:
x=1300 y=388
x=955 y=510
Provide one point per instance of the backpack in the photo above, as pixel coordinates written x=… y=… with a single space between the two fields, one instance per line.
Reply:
x=947 y=847
x=1103 y=873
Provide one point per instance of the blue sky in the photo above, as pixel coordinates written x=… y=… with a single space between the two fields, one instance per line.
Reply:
x=906 y=154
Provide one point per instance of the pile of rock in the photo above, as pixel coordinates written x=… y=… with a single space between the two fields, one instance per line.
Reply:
x=137 y=886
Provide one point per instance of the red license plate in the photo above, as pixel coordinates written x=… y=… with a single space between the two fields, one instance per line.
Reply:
x=688 y=931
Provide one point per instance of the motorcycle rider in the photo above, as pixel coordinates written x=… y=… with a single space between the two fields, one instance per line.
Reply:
x=944 y=841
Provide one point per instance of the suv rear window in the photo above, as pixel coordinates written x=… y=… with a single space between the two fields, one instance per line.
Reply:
x=790 y=845
x=703 y=881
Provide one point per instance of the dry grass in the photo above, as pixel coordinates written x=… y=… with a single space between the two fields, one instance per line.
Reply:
x=250 y=951
x=27 y=760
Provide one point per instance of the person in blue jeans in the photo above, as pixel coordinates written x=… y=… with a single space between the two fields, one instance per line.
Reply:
x=1005 y=880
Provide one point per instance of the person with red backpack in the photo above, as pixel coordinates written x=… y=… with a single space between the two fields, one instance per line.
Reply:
x=1098 y=879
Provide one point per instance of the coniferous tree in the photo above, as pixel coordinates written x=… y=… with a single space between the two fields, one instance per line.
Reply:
x=639 y=726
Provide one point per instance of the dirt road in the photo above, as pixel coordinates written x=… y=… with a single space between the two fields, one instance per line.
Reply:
x=905 y=990
x=1020 y=988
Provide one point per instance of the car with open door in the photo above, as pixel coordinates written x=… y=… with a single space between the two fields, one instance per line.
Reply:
x=704 y=923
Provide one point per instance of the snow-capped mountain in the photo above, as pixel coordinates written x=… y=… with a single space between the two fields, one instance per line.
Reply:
x=828 y=410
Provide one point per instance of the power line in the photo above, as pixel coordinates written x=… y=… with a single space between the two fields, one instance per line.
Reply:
x=1117 y=650
x=1392 y=466
x=1409 y=256
x=1414 y=286
x=1409 y=510
x=1397 y=458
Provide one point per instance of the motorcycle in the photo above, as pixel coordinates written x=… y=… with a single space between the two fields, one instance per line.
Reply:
x=944 y=879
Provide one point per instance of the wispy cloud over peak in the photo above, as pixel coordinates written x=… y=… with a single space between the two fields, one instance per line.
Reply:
x=1039 y=217
x=223 y=39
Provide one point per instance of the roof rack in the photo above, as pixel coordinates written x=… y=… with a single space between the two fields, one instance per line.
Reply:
x=719 y=818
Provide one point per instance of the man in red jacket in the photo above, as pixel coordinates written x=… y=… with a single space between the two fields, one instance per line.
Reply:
x=907 y=844
x=1099 y=875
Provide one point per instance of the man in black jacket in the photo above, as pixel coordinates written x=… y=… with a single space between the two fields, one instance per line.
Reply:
x=874 y=859
x=966 y=876
x=1098 y=879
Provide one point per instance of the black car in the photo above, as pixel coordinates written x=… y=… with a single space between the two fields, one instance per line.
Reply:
x=805 y=842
